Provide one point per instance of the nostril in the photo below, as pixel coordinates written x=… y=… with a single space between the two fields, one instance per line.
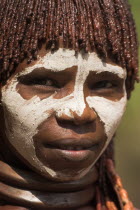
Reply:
x=64 y=117
x=88 y=116
x=93 y=115
x=67 y=115
x=76 y=128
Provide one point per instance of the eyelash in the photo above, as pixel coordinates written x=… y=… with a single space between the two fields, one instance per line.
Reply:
x=52 y=84
x=104 y=85
x=47 y=82
x=41 y=82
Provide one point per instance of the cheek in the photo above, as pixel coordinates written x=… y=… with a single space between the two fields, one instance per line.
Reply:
x=110 y=112
x=23 y=117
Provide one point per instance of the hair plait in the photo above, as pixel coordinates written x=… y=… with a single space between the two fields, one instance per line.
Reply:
x=104 y=26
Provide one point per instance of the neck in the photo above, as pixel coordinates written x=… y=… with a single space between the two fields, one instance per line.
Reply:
x=27 y=189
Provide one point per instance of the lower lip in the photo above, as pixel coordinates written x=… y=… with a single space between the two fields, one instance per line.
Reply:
x=74 y=155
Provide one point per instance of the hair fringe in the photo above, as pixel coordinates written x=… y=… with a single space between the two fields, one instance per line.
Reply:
x=104 y=26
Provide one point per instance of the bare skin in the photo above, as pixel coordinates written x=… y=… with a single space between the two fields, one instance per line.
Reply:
x=59 y=130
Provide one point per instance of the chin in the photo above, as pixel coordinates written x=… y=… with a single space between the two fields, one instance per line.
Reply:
x=67 y=175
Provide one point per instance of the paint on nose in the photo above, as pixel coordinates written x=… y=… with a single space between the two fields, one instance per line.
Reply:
x=76 y=103
x=81 y=77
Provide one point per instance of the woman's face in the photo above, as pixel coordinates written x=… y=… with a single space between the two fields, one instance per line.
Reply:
x=62 y=110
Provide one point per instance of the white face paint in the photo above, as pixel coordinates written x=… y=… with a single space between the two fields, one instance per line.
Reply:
x=22 y=117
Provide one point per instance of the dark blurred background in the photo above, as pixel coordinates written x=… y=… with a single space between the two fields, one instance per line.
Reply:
x=128 y=135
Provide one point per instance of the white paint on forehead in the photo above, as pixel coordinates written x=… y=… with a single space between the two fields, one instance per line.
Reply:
x=24 y=116
x=65 y=58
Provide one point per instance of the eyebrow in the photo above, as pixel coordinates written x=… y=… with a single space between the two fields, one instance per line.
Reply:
x=40 y=67
x=105 y=75
x=103 y=67
x=117 y=70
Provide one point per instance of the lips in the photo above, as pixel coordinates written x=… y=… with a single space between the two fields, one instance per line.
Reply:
x=68 y=155
x=72 y=144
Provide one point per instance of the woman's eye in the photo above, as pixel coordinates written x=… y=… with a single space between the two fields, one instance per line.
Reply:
x=47 y=82
x=104 y=84
x=38 y=82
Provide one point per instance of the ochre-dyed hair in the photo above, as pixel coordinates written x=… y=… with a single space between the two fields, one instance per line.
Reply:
x=104 y=26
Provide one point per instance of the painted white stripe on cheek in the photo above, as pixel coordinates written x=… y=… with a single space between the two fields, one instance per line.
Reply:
x=110 y=112
x=22 y=118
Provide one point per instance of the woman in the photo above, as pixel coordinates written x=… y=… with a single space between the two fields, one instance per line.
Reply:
x=67 y=70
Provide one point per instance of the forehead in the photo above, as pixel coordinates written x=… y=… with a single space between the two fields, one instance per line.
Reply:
x=63 y=59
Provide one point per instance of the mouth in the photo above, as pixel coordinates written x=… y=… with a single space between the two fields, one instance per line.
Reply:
x=72 y=144
x=69 y=154
x=73 y=149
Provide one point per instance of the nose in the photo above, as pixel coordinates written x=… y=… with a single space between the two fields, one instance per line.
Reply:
x=88 y=115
